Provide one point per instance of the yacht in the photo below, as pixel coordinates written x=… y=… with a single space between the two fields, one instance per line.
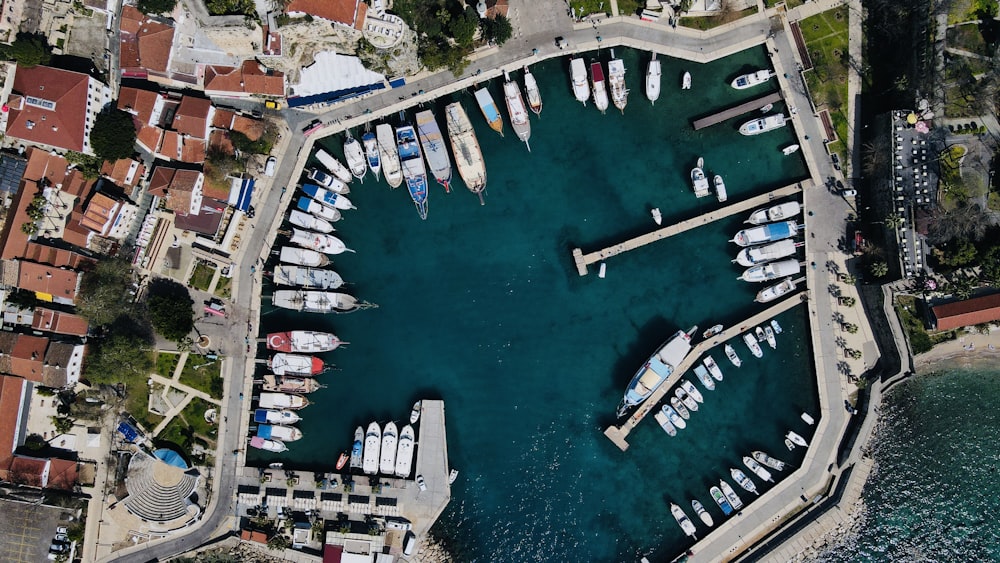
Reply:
x=327 y=197
x=752 y=344
x=780 y=212
x=281 y=401
x=314 y=301
x=752 y=79
x=303 y=365
x=275 y=446
x=414 y=171
x=731 y=354
x=372 y=153
x=532 y=93
x=327 y=244
x=775 y=291
x=516 y=110
x=302 y=257
x=712 y=332
x=704 y=377
x=664 y=422
x=721 y=500
x=310 y=221
x=796 y=439
x=373 y=442
x=616 y=79
x=699 y=509
x=388 y=155
x=769 y=336
x=578 y=74
x=713 y=368
x=289 y=384
x=657 y=369
x=762 y=254
x=435 y=150
x=763 y=124
x=404 y=452
x=334 y=166
x=597 y=82
x=673 y=417
x=280 y=433
x=387 y=463
x=357 y=448
x=677 y=405
x=317 y=209
x=306 y=278
x=731 y=496
x=265 y=416
x=771 y=271
x=743 y=481
x=775 y=326
x=767 y=460
x=303 y=341
x=688 y=400
x=653 y=80
x=698 y=180
x=683 y=521
x=465 y=147
x=766 y=233
x=355 y=156
x=757 y=469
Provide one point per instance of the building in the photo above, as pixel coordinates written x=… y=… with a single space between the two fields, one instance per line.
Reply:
x=48 y=320
x=108 y=217
x=15 y=397
x=180 y=190
x=969 y=312
x=57 y=285
x=145 y=44
x=170 y=127
x=350 y=13
x=249 y=79
x=36 y=359
x=125 y=172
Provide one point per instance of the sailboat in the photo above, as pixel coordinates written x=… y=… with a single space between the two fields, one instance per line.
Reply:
x=465 y=147
x=489 y=109
x=388 y=155
x=413 y=167
x=597 y=82
x=372 y=153
x=434 y=150
x=653 y=80
x=516 y=110
x=532 y=93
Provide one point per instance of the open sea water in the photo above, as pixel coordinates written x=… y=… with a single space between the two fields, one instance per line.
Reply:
x=481 y=306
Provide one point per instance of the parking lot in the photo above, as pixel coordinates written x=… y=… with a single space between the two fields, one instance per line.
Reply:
x=26 y=531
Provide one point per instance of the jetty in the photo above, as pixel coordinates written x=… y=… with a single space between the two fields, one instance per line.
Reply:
x=583 y=260
x=618 y=434
x=728 y=113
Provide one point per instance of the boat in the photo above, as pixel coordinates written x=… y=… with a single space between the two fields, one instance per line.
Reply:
x=775 y=326
x=731 y=496
x=597 y=85
x=767 y=460
x=699 y=509
x=789 y=444
x=682 y=520
x=452 y=476
x=796 y=439
x=688 y=400
x=372 y=153
x=780 y=212
x=355 y=156
x=334 y=166
x=713 y=368
x=288 y=384
x=653 y=80
x=766 y=233
x=657 y=217
x=465 y=147
x=489 y=109
x=357 y=448
x=284 y=363
x=657 y=368
x=435 y=150
x=757 y=469
x=388 y=155
x=664 y=422
x=314 y=301
x=731 y=354
x=303 y=341
x=516 y=110
x=404 y=452
x=698 y=180
x=704 y=377
x=327 y=244
x=769 y=336
x=763 y=124
x=753 y=345
x=673 y=417
x=764 y=253
x=327 y=181
x=775 y=291
x=327 y=197
x=771 y=271
x=603 y=270
x=413 y=167
x=282 y=433
x=373 y=441
x=759 y=333
x=766 y=108
x=692 y=390
x=276 y=446
x=309 y=205
x=307 y=278
x=302 y=257
x=712 y=332
x=686 y=81
x=532 y=93
x=749 y=80
x=616 y=79
x=415 y=413
x=677 y=405
x=808 y=419
x=578 y=79
x=387 y=464
x=310 y=221
x=790 y=149
x=721 y=500
x=743 y=481
x=266 y=416
x=282 y=401
x=342 y=460
x=720 y=188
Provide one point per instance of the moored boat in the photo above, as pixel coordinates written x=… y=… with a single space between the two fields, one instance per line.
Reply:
x=415 y=413
x=388 y=155
x=720 y=188
x=677 y=405
x=616 y=79
x=282 y=401
x=404 y=452
x=313 y=207
x=289 y=384
x=310 y=221
x=370 y=143
x=673 y=417
x=721 y=500
x=373 y=443
x=327 y=197
x=334 y=166
x=653 y=80
x=515 y=109
x=763 y=124
x=387 y=463
x=751 y=79
x=306 y=278
x=712 y=332
x=327 y=181
x=713 y=368
x=704 y=377
x=775 y=291
x=532 y=93
x=790 y=149
x=282 y=433
x=699 y=183
x=303 y=341
x=465 y=147
x=780 y=212
x=266 y=416
x=664 y=422
x=302 y=257
x=682 y=520
x=731 y=354
x=699 y=509
x=578 y=79
x=688 y=400
x=657 y=368
x=435 y=151
x=808 y=419
x=489 y=109
x=342 y=460
x=597 y=85
x=734 y=499
x=686 y=81
x=764 y=253
x=657 y=216
x=743 y=481
x=771 y=271
x=757 y=469
x=766 y=233
x=276 y=446
x=752 y=344
x=314 y=301
x=413 y=167
x=767 y=460
x=775 y=326
x=759 y=333
x=796 y=439
x=284 y=363
x=452 y=476
x=357 y=448
x=355 y=156
x=769 y=336
x=692 y=390
x=327 y=244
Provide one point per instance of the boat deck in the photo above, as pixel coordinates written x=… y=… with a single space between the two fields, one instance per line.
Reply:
x=729 y=113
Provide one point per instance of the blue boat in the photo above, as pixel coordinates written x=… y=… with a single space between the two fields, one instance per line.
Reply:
x=720 y=499
x=327 y=197
x=766 y=233
x=656 y=370
x=414 y=171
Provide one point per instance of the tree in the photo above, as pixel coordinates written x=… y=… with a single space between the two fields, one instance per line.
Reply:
x=498 y=30
x=893 y=220
x=156 y=6
x=113 y=135
x=170 y=309
x=878 y=269
x=62 y=424
x=28 y=50
x=278 y=542
x=989 y=266
x=89 y=166
x=105 y=292
x=957 y=253
x=463 y=27
x=120 y=358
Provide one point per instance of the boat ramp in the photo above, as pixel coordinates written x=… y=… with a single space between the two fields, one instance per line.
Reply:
x=729 y=113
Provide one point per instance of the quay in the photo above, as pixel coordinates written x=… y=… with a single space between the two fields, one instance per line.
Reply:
x=618 y=434
x=746 y=107
x=583 y=260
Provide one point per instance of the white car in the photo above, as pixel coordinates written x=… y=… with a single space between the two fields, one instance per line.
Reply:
x=269 y=166
x=421 y=483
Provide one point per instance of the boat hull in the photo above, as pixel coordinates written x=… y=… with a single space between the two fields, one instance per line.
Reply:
x=465 y=147
x=434 y=149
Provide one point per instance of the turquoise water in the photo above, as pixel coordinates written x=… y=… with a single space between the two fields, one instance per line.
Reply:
x=481 y=306
x=933 y=497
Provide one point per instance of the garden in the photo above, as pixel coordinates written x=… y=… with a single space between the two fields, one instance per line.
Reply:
x=826 y=39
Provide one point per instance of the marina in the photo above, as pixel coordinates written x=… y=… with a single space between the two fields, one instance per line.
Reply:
x=736 y=111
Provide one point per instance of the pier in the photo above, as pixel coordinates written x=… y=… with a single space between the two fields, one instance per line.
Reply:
x=618 y=434
x=752 y=105
x=583 y=260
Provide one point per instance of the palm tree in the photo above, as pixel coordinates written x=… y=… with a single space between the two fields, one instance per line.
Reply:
x=879 y=269
x=893 y=220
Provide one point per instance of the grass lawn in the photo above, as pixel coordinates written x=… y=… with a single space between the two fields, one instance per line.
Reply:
x=958 y=11
x=826 y=38
x=588 y=7
x=906 y=308
x=166 y=362
x=190 y=427
x=203 y=374
x=137 y=404
x=789 y=4
x=202 y=275
x=224 y=289
x=704 y=23
x=968 y=38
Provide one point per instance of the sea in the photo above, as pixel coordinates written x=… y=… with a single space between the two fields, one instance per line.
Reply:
x=482 y=306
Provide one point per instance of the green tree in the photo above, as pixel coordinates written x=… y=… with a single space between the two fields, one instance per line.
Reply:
x=113 y=135
x=878 y=269
x=28 y=50
x=120 y=358
x=989 y=265
x=498 y=30
x=156 y=6
x=104 y=292
x=170 y=309
x=958 y=253
x=62 y=424
x=89 y=166
x=278 y=542
x=463 y=27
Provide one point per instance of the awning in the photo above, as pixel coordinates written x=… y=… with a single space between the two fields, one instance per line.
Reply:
x=240 y=197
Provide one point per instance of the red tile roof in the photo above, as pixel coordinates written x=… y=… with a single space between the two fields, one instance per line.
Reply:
x=11 y=396
x=15 y=242
x=253 y=535
x=100 y=212
x=58 y=257
x=176 y=187
x=170 y=146
x=63 y=474
x=150 y=137
x=140 y=103
x=223 y=118
x=60 y=323
x=192 y=117
x=29 y=471
x=340 y=11
x=62 y=125
x=125 y=172
x=23 y=355
x=969 y=312
x=249 y=78
x=43 y=164
x=59 y=283
x=193 y=151
x=145 y=44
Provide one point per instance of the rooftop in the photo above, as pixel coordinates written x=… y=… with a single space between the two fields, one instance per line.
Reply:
x=52 y=108
x=249 y=78
x=145 y=43
x=968 y=312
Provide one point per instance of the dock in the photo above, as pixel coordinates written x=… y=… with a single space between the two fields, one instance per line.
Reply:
x=618 y=434
x=728 y=113
x=432 y=464
x=583 y=260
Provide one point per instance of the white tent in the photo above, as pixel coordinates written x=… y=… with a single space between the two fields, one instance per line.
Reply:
x=331 y=72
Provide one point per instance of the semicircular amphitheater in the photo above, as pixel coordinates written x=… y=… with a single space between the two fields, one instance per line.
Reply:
x=159 y=492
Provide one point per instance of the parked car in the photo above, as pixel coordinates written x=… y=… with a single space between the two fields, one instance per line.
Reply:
x=421 y=483
x=271 y=104
x=849 y=193
x=62 y=530
x=269 y=166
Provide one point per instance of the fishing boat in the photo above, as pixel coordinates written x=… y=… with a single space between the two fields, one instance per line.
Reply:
x=597 y=86
x=762 y=254
x=355 y=156
x=327 y=197
x=752 y=344
x=749 y=80
x=327 y=244
x=266 y=416
x=372 y=153
x=682 y=520
x=731 y=354
x=310 y=221
x=465 y=147
x=767 y=460
x=289 y=384
x=489 y=109
x=653 y=80
x=276 y=446
x=692 y=390
x=796 y=439
x=357 y=448
x=763 y=124
x=306 y=278
x=435 y=150
x=706 y=380
x=780 y=212
x=404 y=452
x=314 y=301
x=688 y=400
x=388 y=155
x=664 y=422
x=516 y=110
x=311 y=206
x=743 y=481
x=720 y=188
x=387 y=463
x=415 y=413
x=775 y=326
x=699 y=509
x=721 y=500
x=657 y=368
x=769 y=336
x=712 y=332
x=686 y=81
x=808 y=419
x=302 y=257
x=327 y=181
x=673 y=417
x=413 y=167
x=616 y=79
x=698 y=180
x=734 y=500
x=373 y=443
x=303 y=341
x=790 y=149
x=657 y=217
x=677 y=405
x=334 y=166
x=771 y=271
x=284 y=363
x=578 y=76
x=282 y=433
x=282 y=401
x=532 y=93
x=757 y=469
x=766 y=233
x=775 y=291
x=713 y=368
x=342 y=460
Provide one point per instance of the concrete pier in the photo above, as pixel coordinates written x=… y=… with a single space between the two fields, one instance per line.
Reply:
x=729 y=113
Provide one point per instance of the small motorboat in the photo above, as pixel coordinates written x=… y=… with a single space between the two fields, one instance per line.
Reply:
x=796 y=439
x=789 y=444
x=759 y=333
x=711 y=332
x=734 y=499
x=720 y=188
x=452 y=476
x=692 y=390
x=706 y=518
x=357 y=448
x=743 y=481
x=713 y=368
x=731 y=354
x=275 y=446
x=775 y=326
x=602 y=270
x=674 y=418
x=686 y=81
x=808 y=419
x=680 y=408
x=767 y=460
x=657 y=217
x=664 y=423
x=706 y=380
x=682 y=520
x=752 y=344
x=767 y=108
x=721 y=500
x=653 y=80
x=415 y=413
x=759 y=471
x=790 y=149
x=342 y=460
x=769 y=336
x=688 y=400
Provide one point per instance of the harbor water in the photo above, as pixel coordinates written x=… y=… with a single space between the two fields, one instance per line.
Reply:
x=481 y=306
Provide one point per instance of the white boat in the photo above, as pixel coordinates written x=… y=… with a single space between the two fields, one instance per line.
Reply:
x=713 y=368
x=266 y=416
x=306 y=278
x=597 y=84
x=327 y=197
x=327 y=244
x=415 y=413
x=699 y=509
x=414 y=171
x=789 y=444
x=310 y=221
x=688 y=400
x=767 y=460
x=289 y=384
x=603 y=270
x=281 y=401
x=404 y=452
x=314 y=301
x=284 y=363
x=712 y=332
x=303 y=342
x=769 y=336
x=465 y=147
x=766 y=108
x=276 y=446
x=766 y=233
x=653 y=80
x=277 y=432
x=334 y=166
x=616 y=79
x=678 y=406
x=664 y=423
x=751 y=79
x=763 y=124
x=692 y=390
x=388 y=155
x=757 y=469
x=657 y=369
x=752 y=344
x=771 y=271
x=775 y=291
x=452 y=476
x=657 y=217
x=313 y=207
x=734 y=500
x=790 y=149
x=780 y=212
x=698 y=180
x=357 y=449
x=731 y=354
x=706 y=380
x=743 y=481
x=686 y=81
x=532 y=93
x=762 y=254
x=808 y=419
x=682 y=520
x=518 y=112
x=796 y=439
x=387 y=463
x=775 y=326
x=720 y=188
x=759 y=333
x=578 y=76
x=372 y=153
x=435 y=150
x=302 y=257
x=373 y=442
x=327 y=181
x=355 y=156
x=489 y=108
x=673 y=417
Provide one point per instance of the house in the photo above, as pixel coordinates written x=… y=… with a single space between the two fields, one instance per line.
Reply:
x=145 y=44
x=45 y=473
x=125 y=172
x=49 y=320
x=249 y=79
x=181 y=190
x=15 y=397
x=36 y=359
x=108 y=217
x=54 y=108
x=345 y=12
x=48 y=283
x=169 y=127
x=968 y=312
x=253 y=535
x=193 y=117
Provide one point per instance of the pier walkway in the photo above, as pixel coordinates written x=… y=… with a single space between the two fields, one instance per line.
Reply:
x=583 y=260
x=618 y=434
x=728 y=113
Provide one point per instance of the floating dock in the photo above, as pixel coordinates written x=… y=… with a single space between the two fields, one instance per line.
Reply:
x=729 y=113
